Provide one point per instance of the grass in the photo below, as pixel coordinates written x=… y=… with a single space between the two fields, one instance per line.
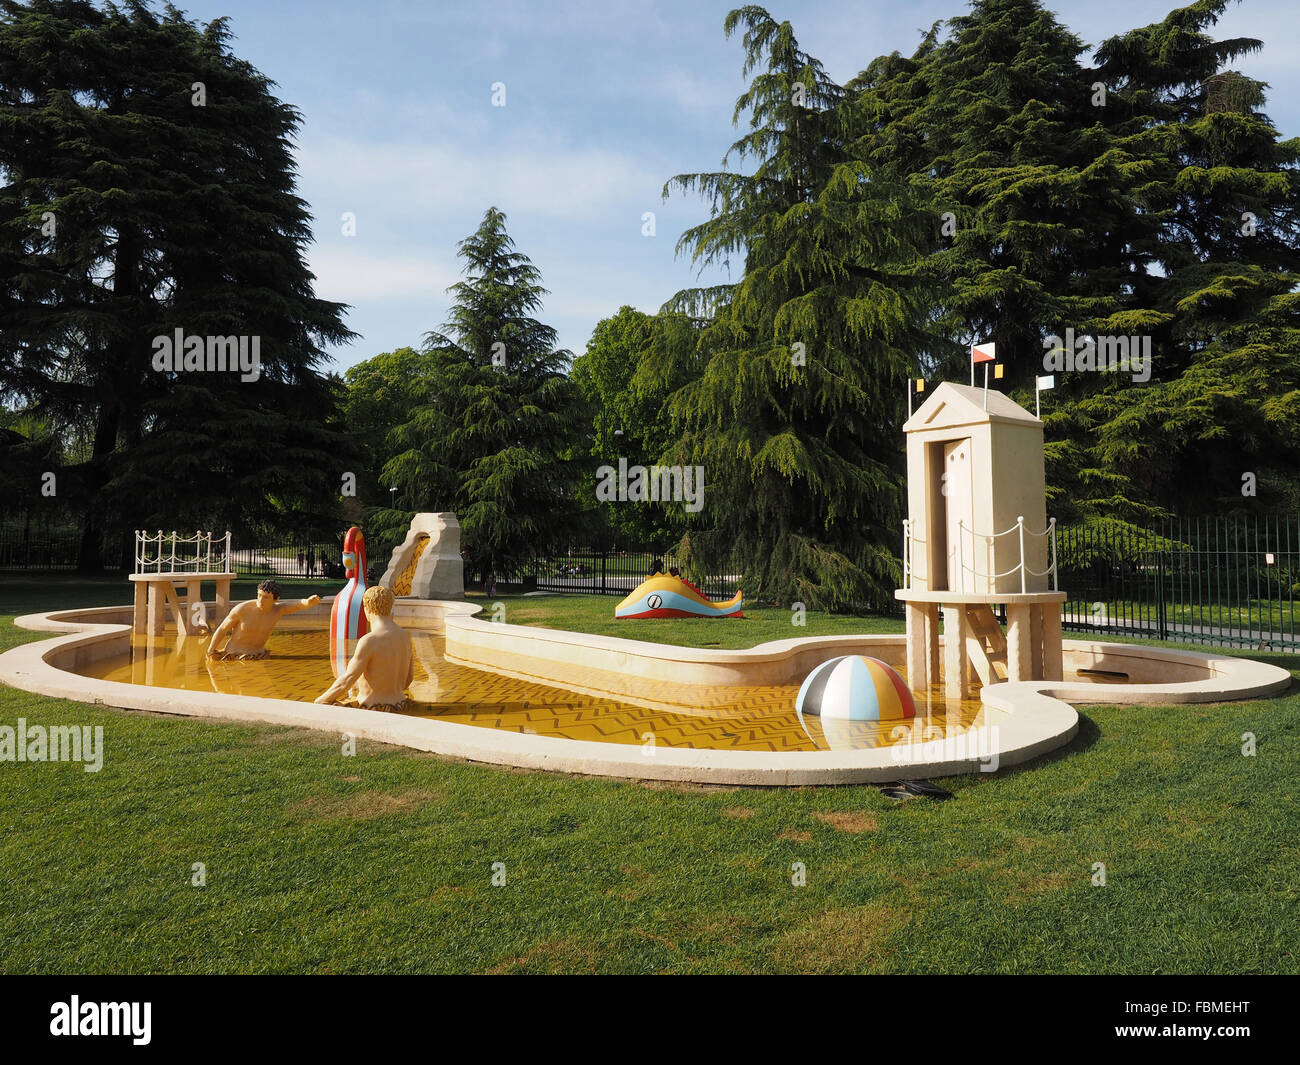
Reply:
x=383 y=862
x=595 y=614
x=1254 y=615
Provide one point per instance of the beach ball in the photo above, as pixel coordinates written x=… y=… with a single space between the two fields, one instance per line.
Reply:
x=855 y=688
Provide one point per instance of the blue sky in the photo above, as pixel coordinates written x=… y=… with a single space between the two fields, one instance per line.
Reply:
x=605 y=100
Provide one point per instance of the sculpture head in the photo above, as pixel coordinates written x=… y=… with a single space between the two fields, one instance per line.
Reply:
x=378 y=601
x=268 y=594
x=354 y=554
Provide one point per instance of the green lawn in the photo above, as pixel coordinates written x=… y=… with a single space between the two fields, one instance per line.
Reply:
x=318 y=862
x=595 y=614
x=1253 y=615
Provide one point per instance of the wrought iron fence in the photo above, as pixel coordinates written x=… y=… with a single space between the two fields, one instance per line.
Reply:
x=1195 y=580
x=39 y=544
x=590 y=570
x=285 y=558
x=44 y=546
x=1218 y=581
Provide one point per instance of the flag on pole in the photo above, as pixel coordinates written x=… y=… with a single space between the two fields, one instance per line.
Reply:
x=1042 y=384
x=997 y=371
x=981 y=353
x=915 y=386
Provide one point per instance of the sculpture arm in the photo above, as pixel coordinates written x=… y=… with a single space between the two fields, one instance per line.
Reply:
x=301 y=604
x=224 y=631
x=356 y=669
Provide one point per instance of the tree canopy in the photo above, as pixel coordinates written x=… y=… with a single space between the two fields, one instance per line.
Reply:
x=149 y=192
x=494 y=434
x=993 y=185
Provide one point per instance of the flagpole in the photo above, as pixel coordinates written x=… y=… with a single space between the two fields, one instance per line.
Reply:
x=1039 y=389
x=986 y=386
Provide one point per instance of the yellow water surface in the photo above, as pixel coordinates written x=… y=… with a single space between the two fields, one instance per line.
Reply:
x=722 y=718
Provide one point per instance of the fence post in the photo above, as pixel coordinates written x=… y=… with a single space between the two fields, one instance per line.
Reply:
x=1020 y=524
x=907 y=552
x=1162 y=615
x=961 y=557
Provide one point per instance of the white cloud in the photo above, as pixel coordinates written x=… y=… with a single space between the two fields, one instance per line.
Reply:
x=397 y=178
x=691 y=92
x=350 y=274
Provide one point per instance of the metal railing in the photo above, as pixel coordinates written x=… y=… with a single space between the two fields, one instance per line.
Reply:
x=1233 y=581
x=173 y=553
x=1021 y=566
x=592 y=571
x=1219 y=581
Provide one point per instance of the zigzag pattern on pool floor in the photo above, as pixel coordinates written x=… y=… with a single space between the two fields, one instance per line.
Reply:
x=737 y=718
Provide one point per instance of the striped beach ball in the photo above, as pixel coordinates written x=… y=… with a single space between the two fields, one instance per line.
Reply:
x=855 y=688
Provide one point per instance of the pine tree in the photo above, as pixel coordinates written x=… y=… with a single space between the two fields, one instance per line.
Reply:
x=795 y=417
x=149 y=187
x=1216 y=423
x=1111 y=200
x=494 y=438
x=994 y=124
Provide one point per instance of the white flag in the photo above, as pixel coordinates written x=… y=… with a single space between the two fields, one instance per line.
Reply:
x=1044 y=383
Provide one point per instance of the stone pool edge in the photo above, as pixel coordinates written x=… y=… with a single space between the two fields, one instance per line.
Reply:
x=1033 y=720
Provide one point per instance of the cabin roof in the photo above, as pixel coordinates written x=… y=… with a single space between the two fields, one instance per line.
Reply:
x=954 y=404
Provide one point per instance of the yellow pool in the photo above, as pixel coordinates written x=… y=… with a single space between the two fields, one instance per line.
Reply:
x=723 y=718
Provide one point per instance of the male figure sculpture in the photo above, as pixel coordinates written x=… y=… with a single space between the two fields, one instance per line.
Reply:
x=251 y=622
x=383 y=666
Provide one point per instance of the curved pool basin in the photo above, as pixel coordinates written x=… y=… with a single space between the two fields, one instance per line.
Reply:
x=549 y=699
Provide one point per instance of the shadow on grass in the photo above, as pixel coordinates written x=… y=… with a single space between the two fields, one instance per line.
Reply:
x=1084 y=740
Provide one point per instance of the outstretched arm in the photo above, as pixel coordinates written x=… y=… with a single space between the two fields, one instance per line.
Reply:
x=301 y=604
x=349 y=677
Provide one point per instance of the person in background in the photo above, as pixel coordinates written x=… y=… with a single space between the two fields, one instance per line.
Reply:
x=302 y=560
x=656 y=567
x=490 y=584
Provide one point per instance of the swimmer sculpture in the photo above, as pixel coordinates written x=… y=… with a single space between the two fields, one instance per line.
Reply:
x=249 y=625
x=383 y=665
x=347 y=619
x=664 y=596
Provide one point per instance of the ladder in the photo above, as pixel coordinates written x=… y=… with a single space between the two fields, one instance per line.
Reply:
x=986 y=644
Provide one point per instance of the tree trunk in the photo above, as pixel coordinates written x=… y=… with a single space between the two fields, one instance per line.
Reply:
x=115 y=387
x=90 y=556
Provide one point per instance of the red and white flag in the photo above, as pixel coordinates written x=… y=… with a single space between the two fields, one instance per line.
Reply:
x=983 y=352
